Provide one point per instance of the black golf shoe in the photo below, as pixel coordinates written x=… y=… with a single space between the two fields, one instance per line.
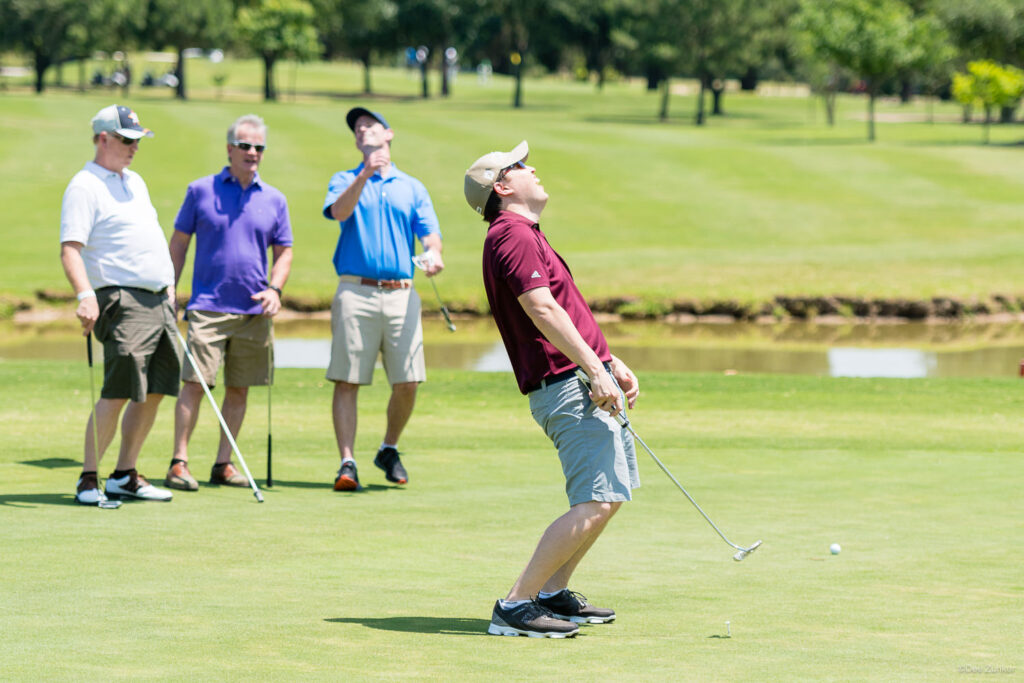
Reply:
x=348 y=477
x=529 y=619
x=387 y=459
x=573 y=607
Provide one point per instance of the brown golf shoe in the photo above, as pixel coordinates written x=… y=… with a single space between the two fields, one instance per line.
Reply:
x=178 y=477
x=226 y=474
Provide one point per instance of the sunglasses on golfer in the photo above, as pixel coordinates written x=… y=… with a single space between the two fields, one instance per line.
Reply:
x=503 y=172
x=124 y=141
x=246 y=146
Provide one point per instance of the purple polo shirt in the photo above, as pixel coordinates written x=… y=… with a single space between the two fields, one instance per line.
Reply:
x=518 y=258
x=233 y=229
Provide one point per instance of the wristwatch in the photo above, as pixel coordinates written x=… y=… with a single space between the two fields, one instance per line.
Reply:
x=276 y=289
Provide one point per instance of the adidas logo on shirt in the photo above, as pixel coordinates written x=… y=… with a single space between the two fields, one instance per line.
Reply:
x=535 y=275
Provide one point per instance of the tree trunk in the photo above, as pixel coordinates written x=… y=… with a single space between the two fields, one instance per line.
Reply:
x=444 y=77
x=1006 y=114
x=423 y=79
x=717 y=91
x=179 y=73
x=517 y=98
x=749 y=80
x=871 y=115
x=42 y=63
x=830 y=107
x=366 y=73
x=663 y=111
x=269 y=92
x=699 y=119
x=81 y=75
x=987 y=124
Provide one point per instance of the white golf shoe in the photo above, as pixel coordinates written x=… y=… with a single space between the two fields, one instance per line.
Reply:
x=87 y=491
x=134 y=485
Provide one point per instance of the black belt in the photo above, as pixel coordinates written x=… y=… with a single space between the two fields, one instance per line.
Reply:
x=560 y=377
x=162 y=290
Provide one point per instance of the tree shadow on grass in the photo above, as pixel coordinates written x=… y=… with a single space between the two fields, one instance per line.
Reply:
x=31 y=500
x=52 y=463
x=449 y=626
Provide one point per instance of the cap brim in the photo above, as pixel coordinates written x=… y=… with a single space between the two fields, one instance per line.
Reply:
x=355 y=112
x=134 y=133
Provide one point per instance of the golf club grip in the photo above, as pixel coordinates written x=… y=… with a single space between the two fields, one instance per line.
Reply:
x=585 y=378
x=88 y=346
x=270 y=458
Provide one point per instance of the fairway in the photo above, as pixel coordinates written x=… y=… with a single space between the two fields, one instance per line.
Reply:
x=763 y=202
x=917 y=480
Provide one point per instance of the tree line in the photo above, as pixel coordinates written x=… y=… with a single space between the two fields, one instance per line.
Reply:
x=877 y=46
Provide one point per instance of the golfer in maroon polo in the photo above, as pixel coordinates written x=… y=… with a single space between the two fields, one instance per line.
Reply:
x=549 y=331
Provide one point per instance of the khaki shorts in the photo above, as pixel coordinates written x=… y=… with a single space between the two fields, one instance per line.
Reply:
x=366 y=321
x=240 y=342
x=140 y=357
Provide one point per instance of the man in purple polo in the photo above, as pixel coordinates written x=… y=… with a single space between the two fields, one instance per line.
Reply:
x=235 y=217
x=549 y=333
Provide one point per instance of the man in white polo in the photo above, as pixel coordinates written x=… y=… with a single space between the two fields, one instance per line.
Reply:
x=115 y=256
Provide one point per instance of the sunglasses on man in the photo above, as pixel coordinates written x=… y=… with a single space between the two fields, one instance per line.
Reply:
x=246 y=146
x=125 y=141
x=503 y=172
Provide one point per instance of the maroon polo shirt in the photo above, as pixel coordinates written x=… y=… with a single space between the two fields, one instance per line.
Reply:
x=516 y=259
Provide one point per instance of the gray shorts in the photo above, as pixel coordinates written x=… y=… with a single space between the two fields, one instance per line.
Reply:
x=598 y=456
x=136 y=328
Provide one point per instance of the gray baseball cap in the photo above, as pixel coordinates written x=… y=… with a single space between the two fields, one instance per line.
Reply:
x=482 y=175
x=120 y=120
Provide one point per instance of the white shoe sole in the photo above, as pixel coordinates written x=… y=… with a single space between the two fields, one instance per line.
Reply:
x=496 y=630
x=587 y=620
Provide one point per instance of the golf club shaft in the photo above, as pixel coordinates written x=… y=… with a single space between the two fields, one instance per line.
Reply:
x=623 y=421
x=270 y=385
x=216 y=409
x=92 y=398
x=444 y=309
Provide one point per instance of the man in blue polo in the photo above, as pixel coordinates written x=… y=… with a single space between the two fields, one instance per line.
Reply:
x=381 y=211
x=235 y=217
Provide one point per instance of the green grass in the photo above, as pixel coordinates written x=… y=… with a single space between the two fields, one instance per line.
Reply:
x=765 y=201
x=918 y=480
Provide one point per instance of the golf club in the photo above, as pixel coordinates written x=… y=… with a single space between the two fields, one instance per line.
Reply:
x=270 y=385
x=624 y=421
x=421 y=263
x=223 y=424
x=103 y=504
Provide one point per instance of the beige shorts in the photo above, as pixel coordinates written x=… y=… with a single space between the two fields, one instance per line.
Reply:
x=240 y=342
x=366 y=321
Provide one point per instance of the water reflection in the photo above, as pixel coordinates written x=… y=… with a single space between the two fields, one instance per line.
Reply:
x=848 y=350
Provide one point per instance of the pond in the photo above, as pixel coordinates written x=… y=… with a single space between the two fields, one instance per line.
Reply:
x=967 y=349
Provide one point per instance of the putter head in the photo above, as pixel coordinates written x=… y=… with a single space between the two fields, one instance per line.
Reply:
x=108 y=504
x=742 y=554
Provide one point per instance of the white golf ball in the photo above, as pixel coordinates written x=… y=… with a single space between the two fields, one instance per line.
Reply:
x=835 y=548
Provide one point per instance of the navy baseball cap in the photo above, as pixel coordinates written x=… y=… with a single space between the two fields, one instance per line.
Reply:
x=120 y=120
x=355 y=112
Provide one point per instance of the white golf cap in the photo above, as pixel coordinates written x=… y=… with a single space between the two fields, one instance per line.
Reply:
x=120 y=120
x=482 y=175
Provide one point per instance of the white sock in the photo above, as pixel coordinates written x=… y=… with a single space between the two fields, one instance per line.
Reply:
x=511 y=604
x=388 y=445
x=545 y=596
x=348 y=459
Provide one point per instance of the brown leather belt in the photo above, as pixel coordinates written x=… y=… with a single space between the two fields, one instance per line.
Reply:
x=379 y=284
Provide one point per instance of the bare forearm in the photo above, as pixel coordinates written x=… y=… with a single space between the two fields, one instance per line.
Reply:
x=74 y=267
x=345 y=204
x=556 y=326
x=178 y=247
x=282 y=267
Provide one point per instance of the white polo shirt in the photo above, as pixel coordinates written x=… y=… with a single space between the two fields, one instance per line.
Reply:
x=112 y=215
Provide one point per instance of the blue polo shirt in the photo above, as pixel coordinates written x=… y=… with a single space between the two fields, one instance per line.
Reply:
x=376 y=241
x=233 y=229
